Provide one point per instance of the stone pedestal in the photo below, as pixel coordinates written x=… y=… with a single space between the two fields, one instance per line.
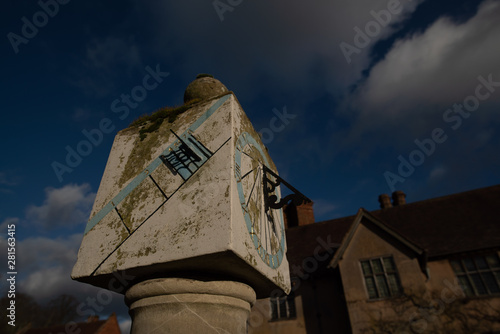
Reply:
x=187 y=306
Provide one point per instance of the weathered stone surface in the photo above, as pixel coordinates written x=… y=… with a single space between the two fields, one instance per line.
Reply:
x=186 y=306
x=204 y=88
x=163 y=224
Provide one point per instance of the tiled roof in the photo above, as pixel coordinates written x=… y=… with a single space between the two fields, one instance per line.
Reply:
x=303 y=240
x=442 y=226
x=92 y=326
x=82 y=328
x=456 y=223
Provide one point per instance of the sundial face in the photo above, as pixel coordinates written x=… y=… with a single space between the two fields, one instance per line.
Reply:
x=265 y=225
x=167 y=204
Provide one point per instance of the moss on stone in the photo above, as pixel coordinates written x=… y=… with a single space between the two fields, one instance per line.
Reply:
x=152 y=122
x=141 y=152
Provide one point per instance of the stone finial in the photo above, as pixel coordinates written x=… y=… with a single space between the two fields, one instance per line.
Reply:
x=204 y=87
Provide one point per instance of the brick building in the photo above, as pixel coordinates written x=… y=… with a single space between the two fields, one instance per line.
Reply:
x=426 y=267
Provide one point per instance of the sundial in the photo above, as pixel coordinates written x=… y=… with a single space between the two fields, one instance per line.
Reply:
x=195 y=195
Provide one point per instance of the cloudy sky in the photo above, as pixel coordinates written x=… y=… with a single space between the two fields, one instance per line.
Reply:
x=380 y=95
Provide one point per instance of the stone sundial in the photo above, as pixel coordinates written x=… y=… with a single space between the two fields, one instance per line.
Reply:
x=183 y=208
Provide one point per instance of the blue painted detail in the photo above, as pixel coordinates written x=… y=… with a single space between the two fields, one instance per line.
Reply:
x=184 y=172
x=209 y=112
x=99 y=216
x=274 y=259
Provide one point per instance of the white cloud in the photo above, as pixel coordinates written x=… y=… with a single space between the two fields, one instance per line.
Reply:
x=406 y=94
x=47 y=283
x=294 y=44
x=322 y=207
x=64 y=206
x=6 y=222
x=437 y=173
x=125 y=326
x=40 y=252
x=45 y=266
x=438 y=67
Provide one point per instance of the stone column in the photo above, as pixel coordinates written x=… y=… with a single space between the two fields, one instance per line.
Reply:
x=187 y=306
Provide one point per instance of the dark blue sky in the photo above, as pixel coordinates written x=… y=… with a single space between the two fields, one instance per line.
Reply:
x=357 y=113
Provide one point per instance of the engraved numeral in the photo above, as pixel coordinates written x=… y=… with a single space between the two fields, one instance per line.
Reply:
x=237 y=172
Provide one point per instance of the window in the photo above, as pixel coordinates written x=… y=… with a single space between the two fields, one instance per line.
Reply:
x=381 y=278
x=283 y=308
x=478 y=275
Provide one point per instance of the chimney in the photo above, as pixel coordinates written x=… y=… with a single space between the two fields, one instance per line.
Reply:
x=385 y=201
x=398 y=198
x=298 y=215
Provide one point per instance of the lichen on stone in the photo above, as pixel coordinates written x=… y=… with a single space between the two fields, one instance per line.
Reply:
x=151 y=123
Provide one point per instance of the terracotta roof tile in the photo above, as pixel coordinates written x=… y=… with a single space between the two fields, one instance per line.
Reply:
x=85 y=328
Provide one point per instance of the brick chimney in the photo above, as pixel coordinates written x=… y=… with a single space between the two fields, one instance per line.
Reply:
x=398 y=198
x=298 y=215
x=385 y=201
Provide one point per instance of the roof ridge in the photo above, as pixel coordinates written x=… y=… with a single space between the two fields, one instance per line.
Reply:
x=439 y=198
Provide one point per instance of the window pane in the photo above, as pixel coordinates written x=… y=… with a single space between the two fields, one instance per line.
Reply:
x=292 y=312
x=377 y=266
x=469 y=265
x=366 y=268
x=479 y=275
x=389 y=265
x=282 y=302
x=481 y=262
x=393 y=284
x=465 y=285
x=478 y=284
x=370 y=286
x=490 y=281
x=457 y=266
x=381 y=277
x=274 y=309
x=382 y=286
x=493 y=261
